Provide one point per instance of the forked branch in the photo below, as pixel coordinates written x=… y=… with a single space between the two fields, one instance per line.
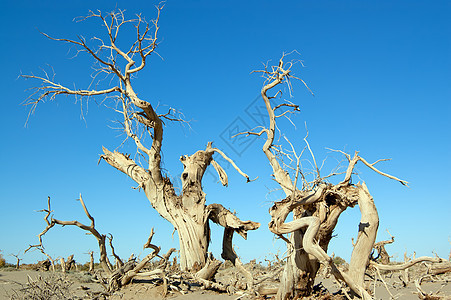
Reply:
x=318 y=204
x=353 y=161
x=109 y=56
x=90 y=228
x=231 y=162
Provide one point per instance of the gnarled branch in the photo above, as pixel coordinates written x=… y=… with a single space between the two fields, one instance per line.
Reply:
x=90 y=228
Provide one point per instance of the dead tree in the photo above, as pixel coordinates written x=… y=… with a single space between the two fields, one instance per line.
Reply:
x=70 y=262
x=118 y=261
x=116 y=278
x=186 y=211
x=91 y=262
x=40 y=246
x=18 y=259
x=44 y=265
x=316 y=204
x=67 y=264
x=104 y=261
x=382 y=254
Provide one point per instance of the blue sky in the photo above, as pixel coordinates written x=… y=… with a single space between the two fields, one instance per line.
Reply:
x=380 y=71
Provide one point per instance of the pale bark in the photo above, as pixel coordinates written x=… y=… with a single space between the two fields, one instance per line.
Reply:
x=63 y=265
x=91 y=262
x=408 y=264
x=428 y=296
x=132 y=273
x=131 y=270
x=70 y=262
x=44 y=265
x=440 y=269
x=104 y=261
x=368 y=226
x=186 y=211
x=382 y=254
x=124 y=273
x=67 y=264
x=90 y=228
x=210 y=268
x=18 y=259
x=406 y=271
x=316 y=206
x=118 y=261
x=17 y=263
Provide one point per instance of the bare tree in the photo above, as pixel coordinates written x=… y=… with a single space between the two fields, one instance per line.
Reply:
x=186 y=211
x=104 y=261
x=117 y=278
x=382 y=254
x=91 y=262
x=18 y=259
x=316 y=203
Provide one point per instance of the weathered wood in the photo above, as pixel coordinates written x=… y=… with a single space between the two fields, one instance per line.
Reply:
x=91 y=262
x=70 y=262
x=210 y=268
x=368 y=226
x=440 y=269
x=43 y=265
x=316 y=206
x=408 y=264
x=186 y=211
x=382 y=254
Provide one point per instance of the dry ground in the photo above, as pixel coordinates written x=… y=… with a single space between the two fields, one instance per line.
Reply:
x=12 y=281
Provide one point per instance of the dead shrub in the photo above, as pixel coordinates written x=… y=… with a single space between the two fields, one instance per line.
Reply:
x=51 y=287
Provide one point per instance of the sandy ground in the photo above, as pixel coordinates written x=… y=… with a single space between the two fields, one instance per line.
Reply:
x=13 y=280
x=396 y=290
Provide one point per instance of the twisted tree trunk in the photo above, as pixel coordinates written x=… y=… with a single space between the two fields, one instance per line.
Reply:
x=186 y=212
x=316 y=206
x=366 y=236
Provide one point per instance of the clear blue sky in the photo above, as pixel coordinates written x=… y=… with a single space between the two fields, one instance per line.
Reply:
x=380 y=71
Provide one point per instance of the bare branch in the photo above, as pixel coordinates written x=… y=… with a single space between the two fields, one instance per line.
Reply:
x=247 y=133
x=221 y=173
x=50 y=89
x=355 y=160
x=407 y=264
x=222 y=216
x=344 y=153
x=371 y=166
x=126 y=165
x=274 y=76
x=144 y=51
x=91 y=229
x=50 y=224
x=81 y=42
x=149 y=244
x=232 y=163
x=118 y=259
x=128 y=130
x=311 y=152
